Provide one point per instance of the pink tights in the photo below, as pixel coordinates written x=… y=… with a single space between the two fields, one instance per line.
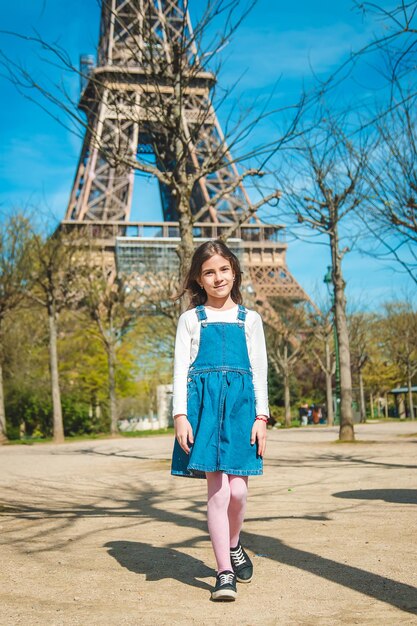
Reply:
x=226 y=505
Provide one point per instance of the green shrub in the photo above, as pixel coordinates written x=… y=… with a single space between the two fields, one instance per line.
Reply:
x=29 y=407
x=30 y=411
x=77 y=418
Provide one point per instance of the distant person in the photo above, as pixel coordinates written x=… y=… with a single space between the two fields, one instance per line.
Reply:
x=220 y=403
x=303 y=414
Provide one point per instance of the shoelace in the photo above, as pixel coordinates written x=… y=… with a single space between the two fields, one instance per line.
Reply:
x=226 y=579
x=238 y=557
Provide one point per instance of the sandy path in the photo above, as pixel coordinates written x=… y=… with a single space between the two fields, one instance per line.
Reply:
x=100 y=533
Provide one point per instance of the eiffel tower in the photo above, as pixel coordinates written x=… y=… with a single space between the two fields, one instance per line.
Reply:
x=118 y=95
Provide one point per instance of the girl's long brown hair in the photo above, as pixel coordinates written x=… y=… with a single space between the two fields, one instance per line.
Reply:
x=204 y=252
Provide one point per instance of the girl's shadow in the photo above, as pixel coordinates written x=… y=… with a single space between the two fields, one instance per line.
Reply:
x=159 y=563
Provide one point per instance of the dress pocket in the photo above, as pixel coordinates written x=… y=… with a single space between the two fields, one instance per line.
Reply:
x=191 y=387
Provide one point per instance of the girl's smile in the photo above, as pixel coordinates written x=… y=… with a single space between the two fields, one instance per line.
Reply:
x=216 y=279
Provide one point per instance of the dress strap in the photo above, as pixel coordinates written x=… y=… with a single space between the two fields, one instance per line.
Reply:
x=241 y=315
x=201 y=312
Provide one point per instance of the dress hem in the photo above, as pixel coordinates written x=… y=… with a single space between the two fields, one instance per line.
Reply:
x=198 y=468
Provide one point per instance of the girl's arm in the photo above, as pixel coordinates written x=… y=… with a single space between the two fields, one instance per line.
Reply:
x=259 y=363
x=183 y=430
x=181 y=364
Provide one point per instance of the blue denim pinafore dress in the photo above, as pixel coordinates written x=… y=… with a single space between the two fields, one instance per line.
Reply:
x=220 y=403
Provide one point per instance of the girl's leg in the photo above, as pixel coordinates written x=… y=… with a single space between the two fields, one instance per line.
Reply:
x=237 y=507
x=218 y=499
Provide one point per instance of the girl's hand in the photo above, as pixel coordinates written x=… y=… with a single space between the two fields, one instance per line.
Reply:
x=183 y=432
x=259 y=435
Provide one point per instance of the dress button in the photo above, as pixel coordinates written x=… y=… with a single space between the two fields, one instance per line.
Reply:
x=189 y=380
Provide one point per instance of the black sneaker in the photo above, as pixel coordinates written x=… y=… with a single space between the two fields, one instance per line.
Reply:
x=241 y=563
x=225 y=588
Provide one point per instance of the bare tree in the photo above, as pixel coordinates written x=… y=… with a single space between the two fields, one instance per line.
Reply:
x=323 y=351
x=391 y=50
x=359 y=330
x=325 y=187
x=398 y=36
x=14 y=281
x=287 y=344
x=115 y=300
x=105 y=296
x=157 y=80
x=392 y=212
x=391 y=215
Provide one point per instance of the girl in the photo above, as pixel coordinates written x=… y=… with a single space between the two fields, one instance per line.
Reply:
x=220 y=403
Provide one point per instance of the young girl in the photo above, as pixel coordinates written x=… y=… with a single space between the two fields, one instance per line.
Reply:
x=220 y=403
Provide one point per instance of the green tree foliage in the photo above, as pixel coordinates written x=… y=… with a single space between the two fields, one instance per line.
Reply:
x=294 y=375
x=360 y=326
x=82 y=371
x=14 y=275
x=391 y=349
x=399 y=336
x=53 y=276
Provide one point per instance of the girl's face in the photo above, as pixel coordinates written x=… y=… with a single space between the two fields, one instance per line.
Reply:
x=216 y=279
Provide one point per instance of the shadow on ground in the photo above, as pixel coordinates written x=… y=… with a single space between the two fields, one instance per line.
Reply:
x=400 y=496
x=381 y=588
x=157 y=563
x=136 y=502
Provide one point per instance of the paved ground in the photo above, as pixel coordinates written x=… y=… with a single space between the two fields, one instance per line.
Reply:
x=100 y=533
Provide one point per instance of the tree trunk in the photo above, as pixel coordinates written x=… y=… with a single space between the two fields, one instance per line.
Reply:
x=410 y=396
x=3 y=431
x=186 y=247
x=329 y=391
x=286 y=381
x=371 y=402
x=401 y=406
x=346 y=431
x=58 y=424
x=287 y=402
x=362 y=398
x=112 y=388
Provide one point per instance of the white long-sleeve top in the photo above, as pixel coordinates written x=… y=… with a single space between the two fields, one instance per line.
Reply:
x=186 y=348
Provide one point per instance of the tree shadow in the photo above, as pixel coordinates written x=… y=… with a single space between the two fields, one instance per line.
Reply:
x=133 y=504
x=323 y=460
x=120 y=453
x=400 y=496
x=399 y=595
x=157 y=563
x=348 y=459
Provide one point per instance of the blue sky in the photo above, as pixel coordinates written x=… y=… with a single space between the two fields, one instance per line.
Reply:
x=277 y=47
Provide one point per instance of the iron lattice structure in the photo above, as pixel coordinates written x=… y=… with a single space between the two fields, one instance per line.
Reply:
x=122 y=97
